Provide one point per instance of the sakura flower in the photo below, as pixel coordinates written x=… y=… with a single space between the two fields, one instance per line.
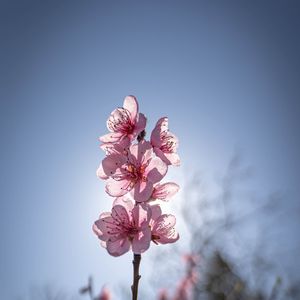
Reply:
x=136 y=172
x=191 y=260
x=104 y=295
x=119 y=148
x=125 y=227
x=162 y=227
x=165 y=143
x=163 y=295
x=124 y=123
x=165 y=191
x=113 y=151
x=183 y=291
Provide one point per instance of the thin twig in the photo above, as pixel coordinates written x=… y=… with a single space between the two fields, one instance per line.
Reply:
x=91 y=292
x=136 y=276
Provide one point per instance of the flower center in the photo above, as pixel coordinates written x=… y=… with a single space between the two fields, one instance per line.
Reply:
x=120 y=121
x=131 y=232
x=168 y=143
x=155 y=238
x=137 y=173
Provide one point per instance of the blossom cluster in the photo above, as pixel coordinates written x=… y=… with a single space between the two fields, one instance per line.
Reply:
x=133 y=169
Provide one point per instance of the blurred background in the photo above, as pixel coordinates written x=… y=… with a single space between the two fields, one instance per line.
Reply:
x=226 y=73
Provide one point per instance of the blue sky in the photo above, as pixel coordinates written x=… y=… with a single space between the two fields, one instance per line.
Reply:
x=226 y=75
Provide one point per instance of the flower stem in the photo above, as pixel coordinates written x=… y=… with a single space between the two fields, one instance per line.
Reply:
x=136 y=276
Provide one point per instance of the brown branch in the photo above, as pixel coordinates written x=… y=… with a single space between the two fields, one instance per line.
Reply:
x=136 y=276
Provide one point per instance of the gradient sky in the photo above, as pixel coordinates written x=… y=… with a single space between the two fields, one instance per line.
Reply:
x=226 y=73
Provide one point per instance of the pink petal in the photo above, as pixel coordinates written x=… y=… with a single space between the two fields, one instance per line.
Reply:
x=112 y=162
x=165 y=191
x=118 y=247
x=108 y=148
x=165 y=221
x=161 y=126
x=117 y=188
x=142 y=191
x=155 y=211
x=120 y=148
x=141 y=214
x=111 y=137
x=156 y=170
x=103 y=244
x=120 y=121
x=140 y=124
x=105 y=294
x=164 y=228
x=172 y=238
x=100 y=173
x=172 y=159
x=141 y=152
x=126 y=201
x=168 y=158
x=120 y=215
x=141 y=241
x=131 y=104
x=100 y=226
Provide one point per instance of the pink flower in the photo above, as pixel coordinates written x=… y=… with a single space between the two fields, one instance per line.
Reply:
x=104 y=295
x=137 y=172
x=165 y=143
x=115 y=151
x=165 y=191
x=126 y=226
x=124 y=122
x=162 y=227
x=191 y=260
x=163 y=295
x=183 y=291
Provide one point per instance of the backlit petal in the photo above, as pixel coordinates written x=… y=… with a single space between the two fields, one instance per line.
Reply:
x=141 y=241
x=100 y=173
x=142 y=191
x=131 y=105
x=126 y=201
x=120 y=215
x=155 y=212
x=118 y=247
x=104 y=225
x=165 y=191
x=156 y=170
x=112 y=162
x=168 y=158
x=117 y=188
x=164 y=229
x=172 y=159
x=141 y=214
x=161 y=126
x=141 y=151
x=140 y=124
x=111 y=137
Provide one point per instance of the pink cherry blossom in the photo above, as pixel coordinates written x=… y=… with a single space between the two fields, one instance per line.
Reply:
x=165 y=143
x=125 y=227
x=133 y=172
x=116 y=153
x=137 y=172
x=185 y=287
x=162 y=227
x=165 y=191
x=124 y=123
x=104 y=295
x=191 y=260
x=163 y=295
x=183 y=291
x=119 y=148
